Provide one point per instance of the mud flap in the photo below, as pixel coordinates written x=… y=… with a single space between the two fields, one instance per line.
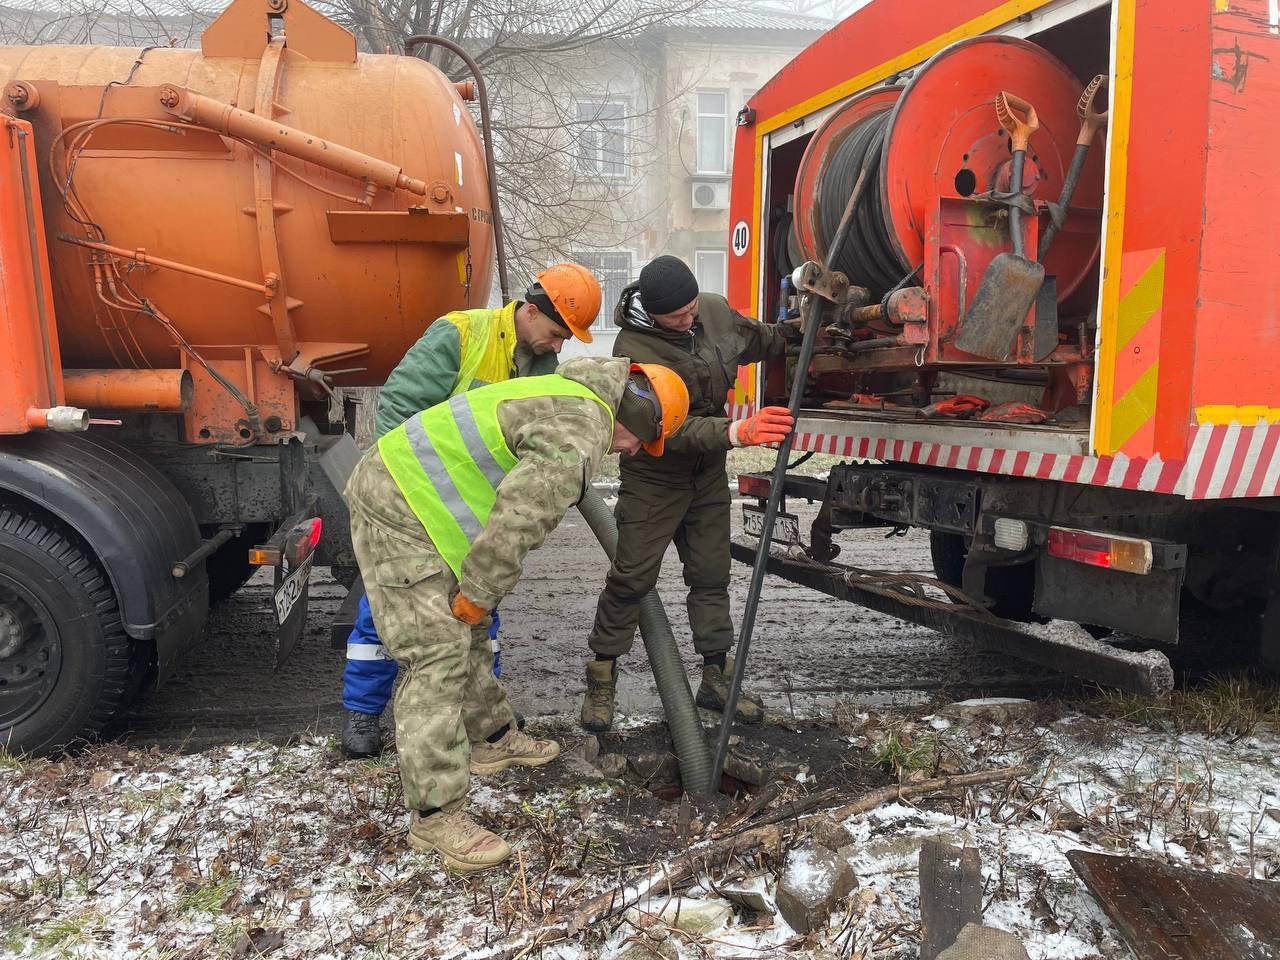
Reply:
x=290 y=553
x=291 y=594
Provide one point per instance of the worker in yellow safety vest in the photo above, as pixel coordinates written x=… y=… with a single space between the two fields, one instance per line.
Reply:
x=443 y=512
x=459 y=351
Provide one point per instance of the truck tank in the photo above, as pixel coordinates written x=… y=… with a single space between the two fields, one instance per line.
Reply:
x=197 y=248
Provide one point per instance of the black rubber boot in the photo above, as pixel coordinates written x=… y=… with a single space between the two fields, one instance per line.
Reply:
x=361 y=735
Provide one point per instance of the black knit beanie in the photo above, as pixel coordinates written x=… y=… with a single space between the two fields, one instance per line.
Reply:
x=666 y=285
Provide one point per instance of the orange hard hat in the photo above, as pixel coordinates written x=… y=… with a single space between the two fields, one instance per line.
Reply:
x=575 y=293
x=673 y=401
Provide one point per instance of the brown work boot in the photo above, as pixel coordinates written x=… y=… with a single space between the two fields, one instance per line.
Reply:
x=462 y=843
x=516 y=749
x=602 y=685
x=714 y=692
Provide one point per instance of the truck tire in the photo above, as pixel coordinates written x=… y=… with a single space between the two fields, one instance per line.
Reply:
x=1012 y=588
x=64 y=655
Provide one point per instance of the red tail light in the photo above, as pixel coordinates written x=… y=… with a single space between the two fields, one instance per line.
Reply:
x=752 y=485
x=1100 y=550
x=304 y=538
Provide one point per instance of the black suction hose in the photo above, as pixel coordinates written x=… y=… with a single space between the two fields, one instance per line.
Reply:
x=692 y=750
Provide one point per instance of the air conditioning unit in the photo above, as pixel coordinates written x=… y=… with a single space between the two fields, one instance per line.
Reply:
x=712 y=195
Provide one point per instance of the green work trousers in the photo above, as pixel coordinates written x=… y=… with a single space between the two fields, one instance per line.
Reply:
x=448 y=697
x=650 y=515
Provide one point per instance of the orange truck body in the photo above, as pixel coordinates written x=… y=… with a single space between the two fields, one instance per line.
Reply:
x=1186 y=386
x=198 y=247
x=30 y=362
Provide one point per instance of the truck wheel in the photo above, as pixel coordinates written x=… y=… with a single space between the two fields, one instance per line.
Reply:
x=64 y=655
x=1012 y=588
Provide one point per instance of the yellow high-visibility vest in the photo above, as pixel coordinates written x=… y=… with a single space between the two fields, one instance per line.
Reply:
x=448 y=461
x=487 y=345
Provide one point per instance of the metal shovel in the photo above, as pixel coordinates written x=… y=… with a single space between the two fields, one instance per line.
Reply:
x=1091 y=121
x=1011 y=282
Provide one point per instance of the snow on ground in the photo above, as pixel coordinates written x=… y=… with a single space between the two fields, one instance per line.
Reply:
x=254 y=849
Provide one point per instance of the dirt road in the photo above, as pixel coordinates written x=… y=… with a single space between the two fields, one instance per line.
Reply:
x=808 y=651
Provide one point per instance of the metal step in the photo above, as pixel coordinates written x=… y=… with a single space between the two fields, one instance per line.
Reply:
x=1147 y=672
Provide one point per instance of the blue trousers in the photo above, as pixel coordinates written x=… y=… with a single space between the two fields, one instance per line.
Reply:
x=370 y=673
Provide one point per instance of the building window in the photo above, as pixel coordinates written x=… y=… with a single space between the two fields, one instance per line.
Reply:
x=711 y=268
x=613 y=269
x=713 y=131
x=602 y=138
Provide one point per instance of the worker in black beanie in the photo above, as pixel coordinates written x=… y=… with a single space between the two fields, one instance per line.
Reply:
x=666 y=285
x=683 y=495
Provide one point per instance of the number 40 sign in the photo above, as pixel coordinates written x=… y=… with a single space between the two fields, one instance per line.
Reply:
x=741 y=238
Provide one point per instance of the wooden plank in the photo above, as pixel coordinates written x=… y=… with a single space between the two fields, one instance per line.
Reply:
x=950 y=894
x=1172 y=913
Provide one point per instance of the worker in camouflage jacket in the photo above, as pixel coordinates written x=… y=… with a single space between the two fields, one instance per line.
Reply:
x=684 y=495
x=443 y=512
x=459 y=351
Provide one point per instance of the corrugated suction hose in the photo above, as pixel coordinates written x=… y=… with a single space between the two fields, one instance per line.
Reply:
x=692 y=750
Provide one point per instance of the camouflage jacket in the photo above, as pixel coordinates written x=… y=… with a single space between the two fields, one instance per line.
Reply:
x=559 y=442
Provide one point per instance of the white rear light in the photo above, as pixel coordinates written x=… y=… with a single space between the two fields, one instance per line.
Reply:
x=1010 y=534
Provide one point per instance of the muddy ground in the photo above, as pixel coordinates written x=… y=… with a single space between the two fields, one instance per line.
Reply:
x=808 y=650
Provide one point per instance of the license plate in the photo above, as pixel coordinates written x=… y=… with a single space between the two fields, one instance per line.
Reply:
x=293 y=588
x=786 y=526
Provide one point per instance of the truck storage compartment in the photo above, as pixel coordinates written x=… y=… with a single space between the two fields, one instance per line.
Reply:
x=961 y=320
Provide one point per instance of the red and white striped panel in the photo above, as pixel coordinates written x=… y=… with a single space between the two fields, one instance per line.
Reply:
x=1225 y=462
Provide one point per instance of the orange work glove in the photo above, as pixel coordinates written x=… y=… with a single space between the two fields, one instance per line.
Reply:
x=466 y=611
x=770 y=425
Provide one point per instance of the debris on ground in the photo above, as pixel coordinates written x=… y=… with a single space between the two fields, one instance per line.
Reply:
x=814 y=880
x=950 y=895
x=1165 y=911
x=977 y=942
x=292 y=852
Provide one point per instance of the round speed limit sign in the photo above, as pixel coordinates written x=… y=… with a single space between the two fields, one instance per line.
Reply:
x=741 y=238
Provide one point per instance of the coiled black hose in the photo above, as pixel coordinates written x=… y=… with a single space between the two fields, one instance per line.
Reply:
x=868 y=257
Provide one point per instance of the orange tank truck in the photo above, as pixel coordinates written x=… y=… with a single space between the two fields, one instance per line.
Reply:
x=198 y=247
x=1054 y=344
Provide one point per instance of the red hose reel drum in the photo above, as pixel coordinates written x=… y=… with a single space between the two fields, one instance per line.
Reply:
x=942 y=140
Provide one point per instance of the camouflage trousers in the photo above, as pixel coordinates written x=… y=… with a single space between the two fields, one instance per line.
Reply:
x=448 y=697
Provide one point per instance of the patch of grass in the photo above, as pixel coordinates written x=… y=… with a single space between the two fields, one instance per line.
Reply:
x=902 y=754
x=206 y=899
x=13 y=761
x=138 y=801
x=70 y=931
x=14 y=940
x=1229 y=706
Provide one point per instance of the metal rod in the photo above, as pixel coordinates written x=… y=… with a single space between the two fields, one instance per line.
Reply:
x=858 y=346
x=809 y=323
x=183 y=566
x=37 y=271
x=274 y=135
x=142 y=257
x=486 y=129
x=766 y=537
